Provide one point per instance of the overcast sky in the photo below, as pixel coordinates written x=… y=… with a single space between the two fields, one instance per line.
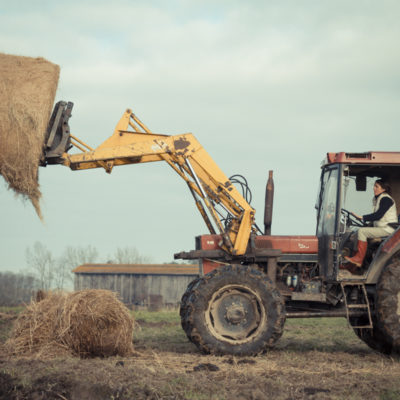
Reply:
x=261 y=84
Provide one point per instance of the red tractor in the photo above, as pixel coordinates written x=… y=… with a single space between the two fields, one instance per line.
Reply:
x=239 y=304
x=251 y=281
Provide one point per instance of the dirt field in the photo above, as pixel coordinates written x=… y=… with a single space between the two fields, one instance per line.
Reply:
x=315 y=359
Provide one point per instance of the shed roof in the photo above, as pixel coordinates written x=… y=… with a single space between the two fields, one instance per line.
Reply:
x=138 y=269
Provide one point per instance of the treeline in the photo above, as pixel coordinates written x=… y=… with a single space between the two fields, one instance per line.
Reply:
x=17 y=288
x=46 y=271
x=56 y=272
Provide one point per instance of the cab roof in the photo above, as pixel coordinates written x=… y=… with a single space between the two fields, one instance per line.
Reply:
x=370 y=157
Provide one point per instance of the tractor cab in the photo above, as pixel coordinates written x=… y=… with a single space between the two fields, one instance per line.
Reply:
x=346 y=186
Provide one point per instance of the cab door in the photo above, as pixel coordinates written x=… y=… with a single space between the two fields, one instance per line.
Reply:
x=328 y=220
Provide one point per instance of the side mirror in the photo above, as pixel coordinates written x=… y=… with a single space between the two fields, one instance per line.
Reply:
x=361 y=183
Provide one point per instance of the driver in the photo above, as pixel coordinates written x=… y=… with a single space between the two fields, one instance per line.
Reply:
x=383 y=214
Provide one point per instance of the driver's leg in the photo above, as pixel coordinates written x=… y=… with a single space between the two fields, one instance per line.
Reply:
x=362 y=235
x=372 y=233
x=358 y=258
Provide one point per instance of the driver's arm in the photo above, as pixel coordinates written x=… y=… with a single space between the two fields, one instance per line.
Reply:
x=384 y=205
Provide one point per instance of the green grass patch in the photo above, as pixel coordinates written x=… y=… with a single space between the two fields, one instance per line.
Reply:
x=11 y=310
x=320 y=334
x=390 y=395
x=157 y=316
x=5 y=330
x=160 y=331
x=7 y=318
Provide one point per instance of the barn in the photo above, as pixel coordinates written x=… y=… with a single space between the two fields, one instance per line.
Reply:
x=141 y=285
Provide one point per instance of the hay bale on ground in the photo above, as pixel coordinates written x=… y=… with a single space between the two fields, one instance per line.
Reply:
x=27 y=91
x=96 y=323
x=35 y=330
x=87 y=323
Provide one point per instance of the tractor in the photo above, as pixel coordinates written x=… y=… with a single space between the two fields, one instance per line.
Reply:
x=250 y=281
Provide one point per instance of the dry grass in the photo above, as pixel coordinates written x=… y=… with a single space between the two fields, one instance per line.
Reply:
x=27 y=90
x=315 y=359
x=86 y=323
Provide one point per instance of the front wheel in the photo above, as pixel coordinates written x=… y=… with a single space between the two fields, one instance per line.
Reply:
x=388 y=304
x=184 y=301
x=234 y=310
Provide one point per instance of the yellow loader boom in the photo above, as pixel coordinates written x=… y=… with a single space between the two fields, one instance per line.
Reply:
x=222 y=207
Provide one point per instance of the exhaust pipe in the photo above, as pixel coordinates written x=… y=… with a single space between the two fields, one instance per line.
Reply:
x=269 y=201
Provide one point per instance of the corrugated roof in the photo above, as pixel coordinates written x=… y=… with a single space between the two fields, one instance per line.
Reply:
x=137 y=269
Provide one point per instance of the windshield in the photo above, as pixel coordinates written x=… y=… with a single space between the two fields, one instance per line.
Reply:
x=359 y=202
x=327 y=202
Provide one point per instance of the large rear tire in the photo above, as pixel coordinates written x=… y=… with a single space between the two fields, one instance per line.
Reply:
x=235 y=310
x=373 y=338
x=388 y=305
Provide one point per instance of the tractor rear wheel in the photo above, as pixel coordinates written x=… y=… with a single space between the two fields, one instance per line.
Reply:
x=373 y=338
x=388 y=304
x=234 y=309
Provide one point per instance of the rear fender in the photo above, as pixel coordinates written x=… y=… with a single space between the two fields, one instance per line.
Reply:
x=386 y=251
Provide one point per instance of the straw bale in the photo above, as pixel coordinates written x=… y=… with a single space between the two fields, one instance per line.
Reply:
x=27 y=91
x=86 y=323
x=96 y=323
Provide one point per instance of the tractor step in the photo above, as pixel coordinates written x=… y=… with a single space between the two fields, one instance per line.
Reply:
x=364 y=304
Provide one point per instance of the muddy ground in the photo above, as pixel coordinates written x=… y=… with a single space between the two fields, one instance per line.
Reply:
x=315 y=359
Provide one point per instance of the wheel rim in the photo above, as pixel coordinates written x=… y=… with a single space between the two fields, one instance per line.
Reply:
x=235 y=314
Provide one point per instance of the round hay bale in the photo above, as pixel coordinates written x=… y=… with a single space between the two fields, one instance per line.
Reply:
x=96 y=323
x=27 y=91
x=87 y=323
x=35 y=328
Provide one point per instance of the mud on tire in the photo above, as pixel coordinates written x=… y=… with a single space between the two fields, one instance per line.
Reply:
x=184 y=302
x=388 y=305
x=235 y=310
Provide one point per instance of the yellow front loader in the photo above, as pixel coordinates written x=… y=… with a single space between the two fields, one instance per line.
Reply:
x=222 y=207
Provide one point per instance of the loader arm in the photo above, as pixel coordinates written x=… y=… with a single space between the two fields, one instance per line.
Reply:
x=222 y=207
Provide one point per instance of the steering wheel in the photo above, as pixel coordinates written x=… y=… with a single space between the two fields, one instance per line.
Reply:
x=352 y=219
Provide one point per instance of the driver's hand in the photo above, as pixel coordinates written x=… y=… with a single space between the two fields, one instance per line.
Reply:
x=357 y=216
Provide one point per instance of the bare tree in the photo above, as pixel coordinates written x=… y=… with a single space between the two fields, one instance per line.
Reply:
x=16 y=288
x=57 y=273
x=70 y=259
x=130 y=255
x=42 y=264
x=63 y=275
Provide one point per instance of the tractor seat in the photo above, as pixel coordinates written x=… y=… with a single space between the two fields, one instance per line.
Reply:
x=376 y=240
x=393 y=225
